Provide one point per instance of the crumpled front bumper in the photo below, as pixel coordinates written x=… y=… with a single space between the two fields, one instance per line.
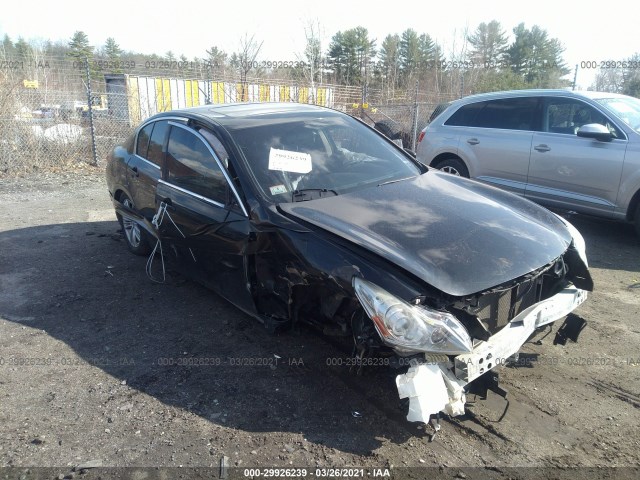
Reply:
x=440 y=387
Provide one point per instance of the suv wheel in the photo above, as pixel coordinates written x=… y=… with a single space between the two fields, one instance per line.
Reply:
x=454 y=166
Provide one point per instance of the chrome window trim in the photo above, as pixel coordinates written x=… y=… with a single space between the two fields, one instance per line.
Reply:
x=148 y=161
x=218 y=162
x=193 y=194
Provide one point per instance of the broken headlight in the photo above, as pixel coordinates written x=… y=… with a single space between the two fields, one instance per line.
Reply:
x=411 y=328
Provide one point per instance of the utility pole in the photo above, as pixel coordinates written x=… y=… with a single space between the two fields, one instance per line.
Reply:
x=575 y=77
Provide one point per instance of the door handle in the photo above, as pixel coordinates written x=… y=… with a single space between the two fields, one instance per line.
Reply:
x=473 y=141
x=134 y=169
x=542 y=148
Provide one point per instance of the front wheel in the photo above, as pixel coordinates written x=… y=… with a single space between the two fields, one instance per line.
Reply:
x=134 y=236
x=454 y=166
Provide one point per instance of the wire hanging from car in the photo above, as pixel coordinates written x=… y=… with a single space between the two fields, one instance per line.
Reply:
x=157 y=220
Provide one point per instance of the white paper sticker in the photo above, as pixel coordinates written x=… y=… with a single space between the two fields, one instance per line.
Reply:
x=289 y=161
x=278 y=189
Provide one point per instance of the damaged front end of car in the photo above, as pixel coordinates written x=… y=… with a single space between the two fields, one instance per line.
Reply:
x=453 y=344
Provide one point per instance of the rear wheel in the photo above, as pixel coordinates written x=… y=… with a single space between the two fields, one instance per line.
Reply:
x=135 y=237
x=454 y=166
x=636 y=220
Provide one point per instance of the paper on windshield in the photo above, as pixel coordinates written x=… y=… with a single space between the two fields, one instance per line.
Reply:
x=289 y=161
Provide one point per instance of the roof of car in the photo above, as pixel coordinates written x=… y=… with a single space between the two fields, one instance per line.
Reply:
x=538 y=92
x=239 y=110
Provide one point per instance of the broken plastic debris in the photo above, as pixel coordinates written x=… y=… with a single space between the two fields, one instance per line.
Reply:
x=426 y=390
x=356 y=414
x=224 y=467
x=89 y=464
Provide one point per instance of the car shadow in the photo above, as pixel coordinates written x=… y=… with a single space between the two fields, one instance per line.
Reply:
x=187 y=347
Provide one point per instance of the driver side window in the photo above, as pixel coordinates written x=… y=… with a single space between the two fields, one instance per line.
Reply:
x=191 y=166
x=563 y=115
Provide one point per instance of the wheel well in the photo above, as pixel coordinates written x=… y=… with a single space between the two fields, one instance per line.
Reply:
x=117 y=195
x=445 y=156
x=633 y=205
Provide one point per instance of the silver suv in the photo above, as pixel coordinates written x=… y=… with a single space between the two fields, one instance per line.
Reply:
x=576 y=151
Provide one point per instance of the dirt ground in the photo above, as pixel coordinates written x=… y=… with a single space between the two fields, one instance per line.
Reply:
x=99 y=366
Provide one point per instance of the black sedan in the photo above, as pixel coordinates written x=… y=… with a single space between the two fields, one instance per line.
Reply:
x=296 y=213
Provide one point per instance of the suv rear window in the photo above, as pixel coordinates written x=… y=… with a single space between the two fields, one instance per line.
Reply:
x=507 y=114
x=466 y=115
x=438 y=110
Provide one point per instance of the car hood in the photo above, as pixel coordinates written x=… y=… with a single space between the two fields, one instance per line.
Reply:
x=458 y=235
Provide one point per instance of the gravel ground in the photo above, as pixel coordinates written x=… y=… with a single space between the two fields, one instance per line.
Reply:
x=100 y=367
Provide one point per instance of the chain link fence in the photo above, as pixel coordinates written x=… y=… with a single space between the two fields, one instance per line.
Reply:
x=403 y=121
x=60 y=112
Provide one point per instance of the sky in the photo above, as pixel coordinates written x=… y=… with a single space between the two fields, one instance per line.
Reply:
x=588 y=31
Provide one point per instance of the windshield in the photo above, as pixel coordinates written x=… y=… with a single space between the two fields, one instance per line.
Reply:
x=626 y=109
x=328 y=153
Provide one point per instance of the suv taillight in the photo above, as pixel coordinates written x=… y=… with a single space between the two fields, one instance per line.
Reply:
x=421 y=136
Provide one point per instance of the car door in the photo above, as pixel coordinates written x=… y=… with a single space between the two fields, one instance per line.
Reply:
x=497 y=140
x=144 y=168
x=205 y=224
x=571 y=172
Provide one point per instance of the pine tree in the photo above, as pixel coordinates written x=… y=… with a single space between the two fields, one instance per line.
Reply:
x=79 y=48
x=489 y=44
x=112 y=50
x=390 y=61
x=351 y=53
x=537 y=58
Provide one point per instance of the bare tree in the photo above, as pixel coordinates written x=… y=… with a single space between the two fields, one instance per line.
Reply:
x=244 y=60
x=312 y=54
x=457 y=57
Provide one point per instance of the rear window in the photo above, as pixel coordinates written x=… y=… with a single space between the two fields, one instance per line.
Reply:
x=507 y=114
x=466 y=115
x=438 y=110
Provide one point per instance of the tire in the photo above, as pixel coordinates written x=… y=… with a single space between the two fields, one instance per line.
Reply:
x=388 y=129
x=135 y=237
x=454 y=166
x=393 y=131
x=636 y=220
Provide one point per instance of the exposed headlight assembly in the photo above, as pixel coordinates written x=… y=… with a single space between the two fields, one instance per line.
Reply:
x=411 y=328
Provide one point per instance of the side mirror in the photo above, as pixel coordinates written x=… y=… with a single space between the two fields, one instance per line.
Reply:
x=595 y=131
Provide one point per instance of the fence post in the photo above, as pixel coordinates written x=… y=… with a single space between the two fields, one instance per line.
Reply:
x=92 y=130
x=414 y=124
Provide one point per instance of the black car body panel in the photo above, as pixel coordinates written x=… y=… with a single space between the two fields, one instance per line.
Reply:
x=456 y=244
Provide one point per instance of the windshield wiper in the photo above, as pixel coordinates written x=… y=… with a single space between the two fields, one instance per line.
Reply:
x=396 y=180
x=305 y=194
